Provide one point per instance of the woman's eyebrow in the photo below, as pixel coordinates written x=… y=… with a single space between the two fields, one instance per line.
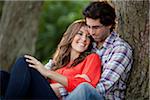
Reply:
x=80 y=31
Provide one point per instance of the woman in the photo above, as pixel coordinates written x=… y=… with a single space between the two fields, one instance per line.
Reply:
x=74 y=64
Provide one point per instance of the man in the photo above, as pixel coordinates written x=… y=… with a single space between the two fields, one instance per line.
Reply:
x=115 y=53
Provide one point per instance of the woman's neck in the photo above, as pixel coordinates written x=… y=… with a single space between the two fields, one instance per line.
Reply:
x=74 y=55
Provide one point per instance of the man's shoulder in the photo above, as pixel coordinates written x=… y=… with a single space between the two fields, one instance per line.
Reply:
x=120 y=42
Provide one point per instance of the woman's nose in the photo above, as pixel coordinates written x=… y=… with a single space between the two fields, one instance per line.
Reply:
x=83 y=37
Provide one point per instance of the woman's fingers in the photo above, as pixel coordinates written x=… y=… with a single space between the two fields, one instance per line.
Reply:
x=34 y=63
x=32 y=66
x=30 y=57
x=31 y=60
x=83 y=76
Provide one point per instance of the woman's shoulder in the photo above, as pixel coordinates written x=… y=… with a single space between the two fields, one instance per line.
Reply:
x=93 y=58
x=92 y=55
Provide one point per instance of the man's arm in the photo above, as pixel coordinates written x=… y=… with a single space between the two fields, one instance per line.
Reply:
x=119 y=61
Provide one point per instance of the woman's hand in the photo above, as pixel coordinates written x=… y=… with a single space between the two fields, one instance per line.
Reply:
x=34 y=63
x=83 y=76
x=55 y=87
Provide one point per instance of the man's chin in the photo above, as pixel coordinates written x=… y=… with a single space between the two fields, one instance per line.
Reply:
x=97 y=39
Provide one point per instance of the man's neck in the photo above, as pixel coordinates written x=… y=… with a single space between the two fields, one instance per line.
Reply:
x=100 y=44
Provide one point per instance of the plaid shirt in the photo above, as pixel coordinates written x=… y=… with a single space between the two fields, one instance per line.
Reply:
x=116 y=56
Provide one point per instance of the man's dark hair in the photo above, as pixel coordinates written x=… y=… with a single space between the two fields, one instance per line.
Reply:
x=102 y=11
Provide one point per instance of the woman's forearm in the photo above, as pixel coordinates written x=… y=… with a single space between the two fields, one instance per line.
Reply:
x=57 y=77
x=55 y=87
x=34 y=63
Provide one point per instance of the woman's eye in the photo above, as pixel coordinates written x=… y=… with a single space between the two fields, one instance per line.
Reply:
x=88 y=36
x=80 y=33
x=84 y=34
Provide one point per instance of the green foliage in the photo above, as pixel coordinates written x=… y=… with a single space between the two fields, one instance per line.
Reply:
x=54 y=20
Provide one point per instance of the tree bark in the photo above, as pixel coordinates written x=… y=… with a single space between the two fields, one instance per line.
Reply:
x=133 y=26
x=18 y=30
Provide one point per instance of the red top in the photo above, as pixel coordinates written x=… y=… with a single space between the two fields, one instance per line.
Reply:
x=91 y=66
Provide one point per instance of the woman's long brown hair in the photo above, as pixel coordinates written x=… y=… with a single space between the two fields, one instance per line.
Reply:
x=62 y=54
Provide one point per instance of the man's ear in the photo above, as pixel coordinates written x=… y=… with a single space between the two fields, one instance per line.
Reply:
x=109 y=26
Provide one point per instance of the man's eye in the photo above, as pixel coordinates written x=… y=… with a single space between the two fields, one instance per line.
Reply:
x=95 y=27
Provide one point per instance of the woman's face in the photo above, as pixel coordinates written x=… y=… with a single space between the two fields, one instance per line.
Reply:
x=81 y=40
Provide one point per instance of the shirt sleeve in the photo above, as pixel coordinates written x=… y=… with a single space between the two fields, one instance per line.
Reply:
x=114 y=68
x=91 y=68
x=49 y=64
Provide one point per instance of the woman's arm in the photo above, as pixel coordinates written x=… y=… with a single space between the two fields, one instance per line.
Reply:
x=55 y=87
x=34 y=63
x=57 y=77
x=90 y=73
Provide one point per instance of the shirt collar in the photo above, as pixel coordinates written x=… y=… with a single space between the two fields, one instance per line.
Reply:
x=110 y=39
x=108 y=42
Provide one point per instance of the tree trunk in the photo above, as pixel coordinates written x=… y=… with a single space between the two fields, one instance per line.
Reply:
x=133 y=26
x=18 y=30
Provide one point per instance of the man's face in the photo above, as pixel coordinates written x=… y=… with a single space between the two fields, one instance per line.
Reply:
x=98 y=31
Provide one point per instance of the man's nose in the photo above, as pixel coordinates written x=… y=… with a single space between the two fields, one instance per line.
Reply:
x=91 y=31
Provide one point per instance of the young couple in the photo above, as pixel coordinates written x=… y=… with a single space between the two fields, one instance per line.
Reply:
x=91 y=63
